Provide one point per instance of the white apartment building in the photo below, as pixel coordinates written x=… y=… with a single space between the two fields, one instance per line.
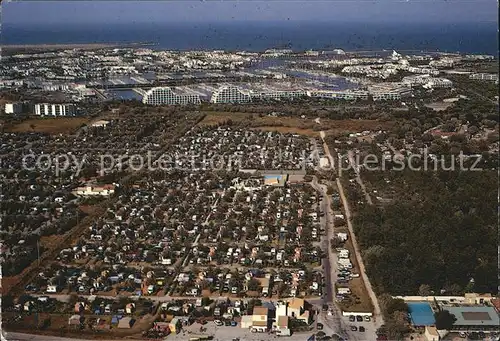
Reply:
x=47 y=109
x=427 y=81
x=387 y=96
x=278 y=95
x=440 y=83
x=11 y=83
x=13 y=108
x=347 y=95
x=484 y=76
x=230 y=94
x=165 y=96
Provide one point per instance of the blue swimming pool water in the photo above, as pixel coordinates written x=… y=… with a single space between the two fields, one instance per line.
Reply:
x=421 y=314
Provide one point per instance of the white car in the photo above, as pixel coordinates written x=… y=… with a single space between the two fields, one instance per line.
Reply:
x=218 y=323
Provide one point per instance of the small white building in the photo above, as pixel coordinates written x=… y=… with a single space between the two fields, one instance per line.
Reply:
x=47 y=109
x=13 y=108
x=104 y=191
x=246 y=321
x=52 y=288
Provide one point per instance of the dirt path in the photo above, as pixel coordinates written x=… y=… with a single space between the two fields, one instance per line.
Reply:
x=377 y=313
x=358 y=177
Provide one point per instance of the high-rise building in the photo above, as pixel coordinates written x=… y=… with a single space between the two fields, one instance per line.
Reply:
x=230 y=94
x=165 y=96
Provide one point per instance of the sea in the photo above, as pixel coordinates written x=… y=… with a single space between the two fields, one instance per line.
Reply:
x=478 y=38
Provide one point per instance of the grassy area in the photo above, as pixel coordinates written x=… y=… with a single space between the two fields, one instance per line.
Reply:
x=290 y=130
x=62 y=125
x=58 y=326
x=288 y=124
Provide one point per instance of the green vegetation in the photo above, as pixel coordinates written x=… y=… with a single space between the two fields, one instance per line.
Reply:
x=444 y=320
x=439 y=229
x=395 y=312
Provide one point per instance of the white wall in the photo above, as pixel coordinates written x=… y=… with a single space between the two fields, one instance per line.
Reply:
x=349 y=313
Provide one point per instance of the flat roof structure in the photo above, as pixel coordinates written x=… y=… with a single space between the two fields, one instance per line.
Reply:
x=421 y=314
x=275 y=180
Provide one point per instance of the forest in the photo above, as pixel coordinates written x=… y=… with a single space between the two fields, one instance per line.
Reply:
x=438 y=230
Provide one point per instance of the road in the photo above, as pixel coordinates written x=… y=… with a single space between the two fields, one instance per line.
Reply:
x=377 y=313
x=327 y=150
x=333 y=320
x=397 y=153
x=355 y=167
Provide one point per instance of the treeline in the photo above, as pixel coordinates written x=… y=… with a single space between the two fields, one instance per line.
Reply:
x=440 y=230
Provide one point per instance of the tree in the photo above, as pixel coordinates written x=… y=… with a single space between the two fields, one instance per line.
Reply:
x=397 y=329
x=73 y=298
x=444 y=320
x=390 y=305
x=7 y=301
x=424 y=290
x=253 y=285
x=473 y=130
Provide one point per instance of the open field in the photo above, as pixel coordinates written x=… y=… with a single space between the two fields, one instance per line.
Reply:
x=214 y=118
x=439 y=106
x=289 y=130
x=48 y=242
x=64 y=125
x=287 y=124
x=59 y=326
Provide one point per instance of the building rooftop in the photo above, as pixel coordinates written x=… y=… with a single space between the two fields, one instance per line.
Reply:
x=296 y=303
x=283 y=321
x=260 y=311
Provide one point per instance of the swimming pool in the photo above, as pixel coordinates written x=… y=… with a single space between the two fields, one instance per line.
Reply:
x=421 y=314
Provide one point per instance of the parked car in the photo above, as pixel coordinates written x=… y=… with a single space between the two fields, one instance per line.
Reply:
x=218 y=323
x=234 y=323
x=367 y=319
x=319 y=326
x=354 y=328
x=359 y=318
x=352 y=318
x=362 y=329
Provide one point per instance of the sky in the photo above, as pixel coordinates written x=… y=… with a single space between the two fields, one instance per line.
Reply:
x=139 y=11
